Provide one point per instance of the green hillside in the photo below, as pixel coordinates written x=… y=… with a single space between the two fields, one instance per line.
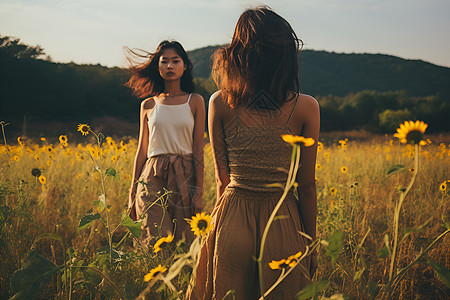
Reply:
x=328 y=73
x=355 y=91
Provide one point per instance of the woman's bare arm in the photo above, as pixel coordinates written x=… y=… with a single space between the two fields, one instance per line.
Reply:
x=197 y=151
x=142 y=147
x=309 y=111
x=218 y=146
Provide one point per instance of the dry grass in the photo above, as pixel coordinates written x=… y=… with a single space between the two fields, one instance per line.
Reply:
x=364 y=201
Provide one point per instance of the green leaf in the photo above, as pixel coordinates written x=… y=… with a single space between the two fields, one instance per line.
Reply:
x=387 y=243
x=312 y=290
x=133 y=227
x=335 y=245
x=395 y=169
x=441 y=272
x=52 y=236
x=87 y=220
x=111 y=172
x=383 y=252
x=409 y=231
x=36 y=271
x=447 y=225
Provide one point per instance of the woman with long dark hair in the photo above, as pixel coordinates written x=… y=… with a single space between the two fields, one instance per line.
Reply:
x=258 y=102
x=167 y=182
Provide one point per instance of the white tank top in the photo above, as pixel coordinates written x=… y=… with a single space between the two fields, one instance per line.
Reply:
x=171 y=129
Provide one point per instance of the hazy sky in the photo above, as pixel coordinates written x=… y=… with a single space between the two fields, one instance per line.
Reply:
x=94 y=31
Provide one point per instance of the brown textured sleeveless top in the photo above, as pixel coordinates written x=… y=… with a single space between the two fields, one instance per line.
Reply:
x=258 y=156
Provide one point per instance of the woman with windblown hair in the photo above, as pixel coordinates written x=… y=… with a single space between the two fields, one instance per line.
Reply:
x=167 y=183
x=257 y=103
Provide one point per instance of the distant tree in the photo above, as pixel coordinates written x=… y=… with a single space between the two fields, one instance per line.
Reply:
x=389 y=119
x=11 y=47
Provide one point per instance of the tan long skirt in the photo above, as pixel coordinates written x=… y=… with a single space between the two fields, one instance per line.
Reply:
x=163 y=197
x=227 y=260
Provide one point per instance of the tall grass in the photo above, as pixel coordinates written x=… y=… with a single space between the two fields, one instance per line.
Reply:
x=356 y=196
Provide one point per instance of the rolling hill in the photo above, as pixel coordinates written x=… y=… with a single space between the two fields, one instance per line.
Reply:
x=327 y=73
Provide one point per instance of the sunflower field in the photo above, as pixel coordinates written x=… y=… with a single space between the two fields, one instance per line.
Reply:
x=383 y=222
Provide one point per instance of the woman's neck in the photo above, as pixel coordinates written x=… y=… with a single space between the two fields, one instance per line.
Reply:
x=172 y=88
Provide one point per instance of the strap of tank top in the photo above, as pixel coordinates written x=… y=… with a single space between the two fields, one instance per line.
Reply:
x=238 y=122
x=292 y=112
x=189 y=98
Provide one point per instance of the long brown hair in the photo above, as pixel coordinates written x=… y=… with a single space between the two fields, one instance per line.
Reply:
x=262 y=59
x=146 y=81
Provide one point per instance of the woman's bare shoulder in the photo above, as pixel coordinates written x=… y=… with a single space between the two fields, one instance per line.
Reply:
x=218 y=105
x=148 y=103
x=307 y=104
x=307 y=100
x=197 y=99
x=217 y=101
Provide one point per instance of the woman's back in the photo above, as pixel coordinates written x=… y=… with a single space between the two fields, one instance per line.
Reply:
x=258 y=158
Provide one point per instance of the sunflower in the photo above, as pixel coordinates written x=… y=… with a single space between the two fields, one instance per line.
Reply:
x=319 y=146
x=155 y=272
x=36 y=157
x=63 y=139
x=84 y=129
x=36 y=172
x=42 y=179
x=411 y=132
x=19 y=140
x=344 y=169
x=411 y=170
x=16 y=157
x=443 y=187
x=318 y=166
x=297 y=140
x=110 y=142
x=200 y=223
x=279 y=264
x=162 y=242
x=333 y=191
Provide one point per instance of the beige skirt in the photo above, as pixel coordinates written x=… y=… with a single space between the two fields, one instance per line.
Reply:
x=164 y=197
x=227 y=259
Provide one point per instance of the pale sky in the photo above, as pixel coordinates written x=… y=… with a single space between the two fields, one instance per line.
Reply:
x=95 y=31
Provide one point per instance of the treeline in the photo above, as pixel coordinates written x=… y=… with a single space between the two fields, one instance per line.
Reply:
x=39 y=90
x=31 y=85
x=328 y=73
x=383 y=111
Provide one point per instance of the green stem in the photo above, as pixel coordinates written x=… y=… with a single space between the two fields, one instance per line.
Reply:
x=100 y=170
x=290 y=181
x=398 y=209
x=108 y=229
